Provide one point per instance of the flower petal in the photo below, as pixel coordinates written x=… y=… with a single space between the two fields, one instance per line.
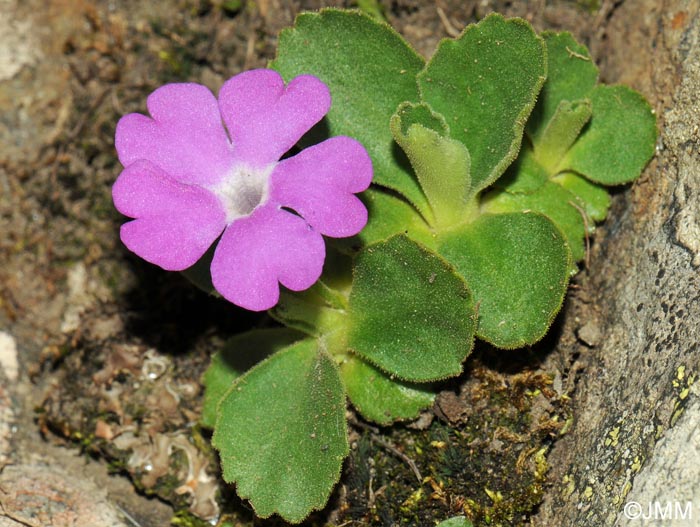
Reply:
x=319 y=183
x=269 y=246
x=264 y=119
x=175 y=223
x=185 y=137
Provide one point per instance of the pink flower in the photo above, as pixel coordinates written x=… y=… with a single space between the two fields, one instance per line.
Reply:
x=189 y=177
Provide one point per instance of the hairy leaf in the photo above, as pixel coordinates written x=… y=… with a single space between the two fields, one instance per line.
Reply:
x=410 y=313
x=561 y=132
x=440 y=163
x=594 y=198
x=389 y=214
x=370 y=69
x=525 y=175
x=619 y=140
x=486 y=83
x=281 y=432
x=552 y=200
x=571 y=75
x=517 y=266
x=380 y=398
x=239 y=354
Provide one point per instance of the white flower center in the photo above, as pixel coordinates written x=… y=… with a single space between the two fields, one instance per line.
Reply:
x=242 y=190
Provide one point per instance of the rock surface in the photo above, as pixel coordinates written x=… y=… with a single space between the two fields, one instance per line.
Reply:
x=40 y=495
x=631 y=441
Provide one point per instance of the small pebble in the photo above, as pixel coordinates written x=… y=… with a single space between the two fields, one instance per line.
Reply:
x=8 y=356
x=589 y=334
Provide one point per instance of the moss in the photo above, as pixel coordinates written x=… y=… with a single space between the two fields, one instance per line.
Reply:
x=491 y=468
x=231 y=7
x=183 y=518
x=117 y=466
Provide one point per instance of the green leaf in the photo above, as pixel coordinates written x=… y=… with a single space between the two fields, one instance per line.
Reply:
x=239 y=354
x=409 y=114
x=388 y=214
x=552 y=200
x=441 y=163
x=281 y=432
x=372 y=7
x=486 y=83
x=561 y=132
x=410 y=313
x=380 y=398
x=619 y=140
x=525 y=175
x=317 y=311
x=517 y=266
x=571 y=75
x=592 y=197
x=370 y=69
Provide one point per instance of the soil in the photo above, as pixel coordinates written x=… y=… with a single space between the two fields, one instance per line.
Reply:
x=111 y=349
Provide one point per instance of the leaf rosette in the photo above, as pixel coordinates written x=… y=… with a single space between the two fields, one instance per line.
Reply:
x=490 y=165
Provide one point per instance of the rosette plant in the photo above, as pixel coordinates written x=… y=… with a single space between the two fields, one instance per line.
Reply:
x=489 y=164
